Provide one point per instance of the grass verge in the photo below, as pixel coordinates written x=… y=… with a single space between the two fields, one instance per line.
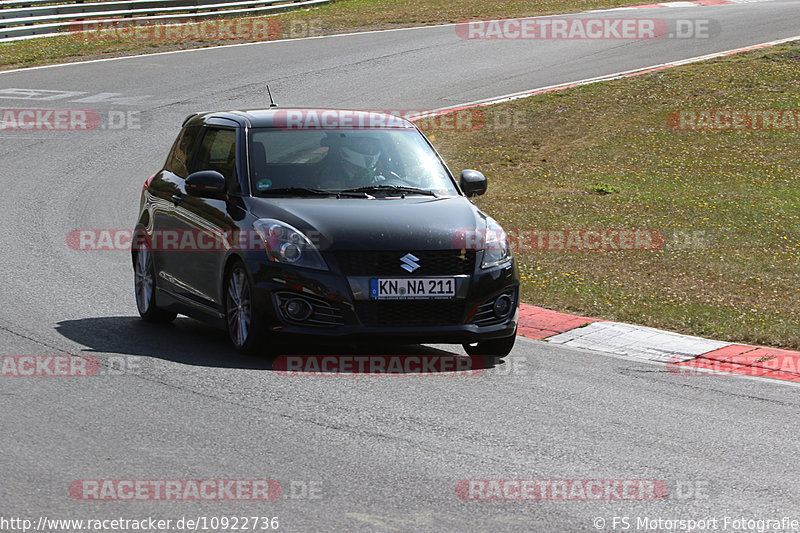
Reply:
x=339 y=16
x=604 y=156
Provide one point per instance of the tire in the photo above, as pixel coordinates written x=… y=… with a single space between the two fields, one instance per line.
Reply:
x=240 y=314
x=145 y=286
x=492 y=350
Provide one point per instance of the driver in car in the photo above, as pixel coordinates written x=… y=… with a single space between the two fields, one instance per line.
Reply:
x=356 y=164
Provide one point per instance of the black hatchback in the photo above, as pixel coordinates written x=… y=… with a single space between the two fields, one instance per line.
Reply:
x=324 y=223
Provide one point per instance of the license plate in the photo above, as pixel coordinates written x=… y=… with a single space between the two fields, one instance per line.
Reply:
x=412 y=288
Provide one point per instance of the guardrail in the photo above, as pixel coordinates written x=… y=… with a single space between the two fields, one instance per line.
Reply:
x=25 y=19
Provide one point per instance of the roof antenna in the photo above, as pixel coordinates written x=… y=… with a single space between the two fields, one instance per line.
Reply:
x=271 y=101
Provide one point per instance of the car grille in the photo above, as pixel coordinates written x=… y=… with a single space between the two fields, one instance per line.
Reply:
x=411 y=313
x=432 y=263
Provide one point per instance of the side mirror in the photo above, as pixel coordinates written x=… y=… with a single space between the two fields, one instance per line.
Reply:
x=473 y=183
x=206 y=184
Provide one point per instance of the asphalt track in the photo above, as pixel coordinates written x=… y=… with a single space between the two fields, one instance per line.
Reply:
x=382 y=454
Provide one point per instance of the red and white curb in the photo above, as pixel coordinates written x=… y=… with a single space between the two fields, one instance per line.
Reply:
x=684 y=354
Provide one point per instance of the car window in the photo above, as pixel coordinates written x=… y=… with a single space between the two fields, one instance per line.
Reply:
x=303 y=147
x=218 y=152
x=183 y=150
x=339 y=159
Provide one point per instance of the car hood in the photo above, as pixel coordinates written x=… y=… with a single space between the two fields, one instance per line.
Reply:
x=391 y=223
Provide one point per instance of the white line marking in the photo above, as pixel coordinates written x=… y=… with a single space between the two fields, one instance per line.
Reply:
x=274 y=41
x=608 y=77
x=350 y=34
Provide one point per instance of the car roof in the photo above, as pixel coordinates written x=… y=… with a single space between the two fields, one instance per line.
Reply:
x=305 y=118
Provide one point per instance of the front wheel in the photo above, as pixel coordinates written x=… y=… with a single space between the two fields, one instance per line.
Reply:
x=145 y=284
x=239 y=311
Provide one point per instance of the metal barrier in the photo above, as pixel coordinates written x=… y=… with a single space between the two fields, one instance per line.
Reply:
x=25 y=19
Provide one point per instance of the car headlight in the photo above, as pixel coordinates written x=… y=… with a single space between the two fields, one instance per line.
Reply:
x=496 y=247
x=288 y=245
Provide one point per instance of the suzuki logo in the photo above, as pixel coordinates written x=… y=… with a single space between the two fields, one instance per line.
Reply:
x=409 y=262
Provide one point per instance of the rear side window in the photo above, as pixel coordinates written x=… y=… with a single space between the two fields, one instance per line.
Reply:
x=182 y=152
x=218 y=152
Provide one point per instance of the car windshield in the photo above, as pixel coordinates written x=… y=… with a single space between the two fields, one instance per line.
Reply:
x=375 y=161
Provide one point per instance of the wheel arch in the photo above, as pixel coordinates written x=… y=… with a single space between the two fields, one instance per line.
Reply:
x=230 y=260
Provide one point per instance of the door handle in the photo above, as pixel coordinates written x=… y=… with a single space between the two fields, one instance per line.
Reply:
x=176 y=199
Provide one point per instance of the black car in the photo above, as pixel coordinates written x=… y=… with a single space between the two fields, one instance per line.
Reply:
x=324 y=223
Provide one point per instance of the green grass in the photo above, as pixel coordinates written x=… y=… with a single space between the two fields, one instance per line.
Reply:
x=727 y=202
x=337 y=17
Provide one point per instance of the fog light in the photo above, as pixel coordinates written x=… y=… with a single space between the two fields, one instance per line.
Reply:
x=502 y=306
x=298 y=309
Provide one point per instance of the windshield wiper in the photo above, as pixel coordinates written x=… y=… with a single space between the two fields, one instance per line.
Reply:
x=392 y=189
x=307 y=191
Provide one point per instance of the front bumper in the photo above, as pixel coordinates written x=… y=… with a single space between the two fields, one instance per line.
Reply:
x=458 y=334
x=345 y=315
